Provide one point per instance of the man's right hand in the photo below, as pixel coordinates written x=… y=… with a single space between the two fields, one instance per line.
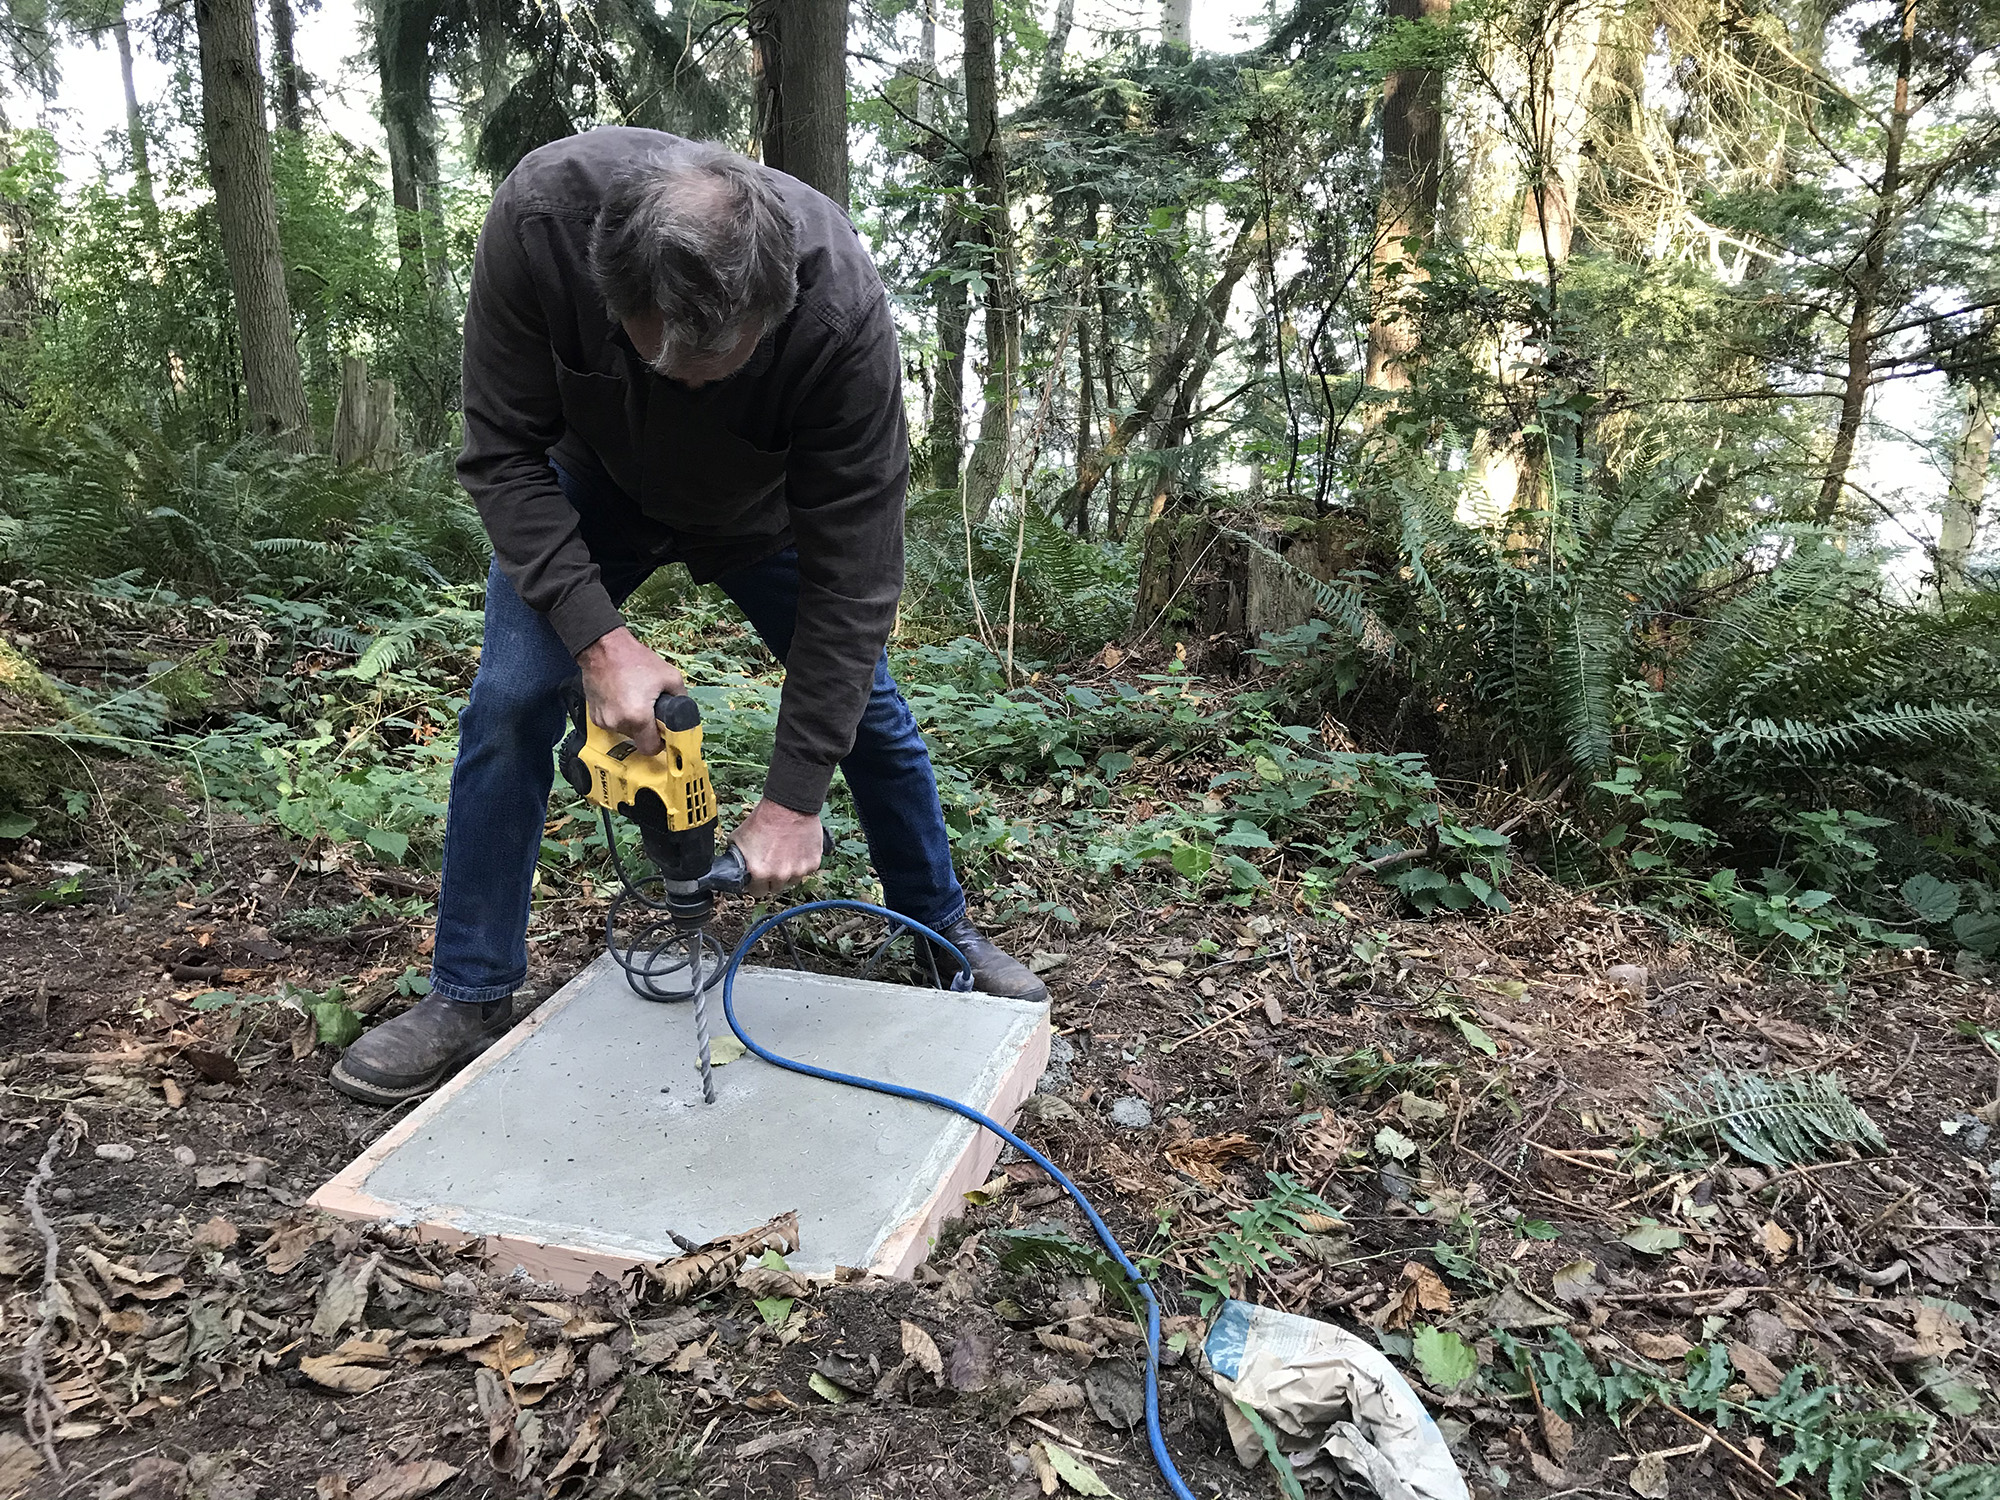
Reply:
x=622 y=680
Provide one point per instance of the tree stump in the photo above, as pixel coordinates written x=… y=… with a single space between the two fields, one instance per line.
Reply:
x=364 y=426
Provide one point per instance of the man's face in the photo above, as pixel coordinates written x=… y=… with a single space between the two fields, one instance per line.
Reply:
x=648 y=336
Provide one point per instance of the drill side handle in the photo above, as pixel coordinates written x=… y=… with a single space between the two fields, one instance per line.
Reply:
x=574 y=771
x=729 y=876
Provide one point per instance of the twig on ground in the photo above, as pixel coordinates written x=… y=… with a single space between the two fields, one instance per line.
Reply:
x=1741 y=1457
x=1071 y=1443
x=43 y=1408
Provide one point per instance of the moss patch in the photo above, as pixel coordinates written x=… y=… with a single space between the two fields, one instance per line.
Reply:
x=31 y=767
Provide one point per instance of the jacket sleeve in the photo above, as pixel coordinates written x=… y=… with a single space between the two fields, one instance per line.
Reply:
x=845 y=483
x=513 y=417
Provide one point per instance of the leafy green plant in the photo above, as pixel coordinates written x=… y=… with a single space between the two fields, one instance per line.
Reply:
x=1257 y=1240
x=1034 y=1247
x=1784 y=1121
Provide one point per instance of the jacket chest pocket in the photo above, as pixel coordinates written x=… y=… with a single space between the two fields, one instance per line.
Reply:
x=597 y=409
x=697 y=476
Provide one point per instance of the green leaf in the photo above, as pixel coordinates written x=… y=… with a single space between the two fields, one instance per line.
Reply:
x=773 y=1310
x=1288 y=1479
x=1447 y=1361
x=1390 y=1141
x=1978 y=930
x=1474 y=1036
x=1651 y=1237
x=16 y=825
x=383 y=841
x=335 y=1023
x=827 y=1390
x=1074 y=1472
x=1244 y=834
x=1933 y=900
x=1192 y=860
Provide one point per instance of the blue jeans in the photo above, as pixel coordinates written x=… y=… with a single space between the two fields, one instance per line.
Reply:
x=507 y=735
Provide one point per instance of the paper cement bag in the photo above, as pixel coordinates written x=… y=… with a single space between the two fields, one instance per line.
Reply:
x=1339 y=1409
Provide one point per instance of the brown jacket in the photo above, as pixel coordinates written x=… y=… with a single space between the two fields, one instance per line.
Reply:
x=805 y=445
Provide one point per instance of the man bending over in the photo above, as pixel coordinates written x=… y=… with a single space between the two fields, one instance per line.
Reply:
x=672 y=354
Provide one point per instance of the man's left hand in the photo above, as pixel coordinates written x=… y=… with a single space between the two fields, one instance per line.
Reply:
x=780 y=847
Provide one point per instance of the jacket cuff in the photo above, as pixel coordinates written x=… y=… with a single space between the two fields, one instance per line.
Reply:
x=584 y=616
x=798 y=784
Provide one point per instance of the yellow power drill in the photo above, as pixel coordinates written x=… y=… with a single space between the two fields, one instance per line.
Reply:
x=669 y=795
x=668 y=953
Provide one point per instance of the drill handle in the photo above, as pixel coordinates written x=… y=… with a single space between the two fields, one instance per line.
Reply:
x=729 y=876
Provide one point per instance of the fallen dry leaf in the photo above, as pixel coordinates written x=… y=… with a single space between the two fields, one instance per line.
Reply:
x=714 y=1264
x=1057 y=1395
x=922 y=1348
x=1557 y=1436
x=971 y=1361
x=1937 y=1333
x=1776 y=1242
x=143 y=1284
x=19 y=1463
x=1422 y=1291
x=1045 y=1472
x=1665 y=1347
x=394 y=1481
x=1756 y=1368
x=337 y=1374
x=768 y=1281
x=1062 y=1343
x=217 y=1234
x=343 y=1296
x=1648 y=1479
x=289 y=1241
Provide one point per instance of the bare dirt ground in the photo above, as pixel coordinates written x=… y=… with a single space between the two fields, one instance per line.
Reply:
x=1478 y=1100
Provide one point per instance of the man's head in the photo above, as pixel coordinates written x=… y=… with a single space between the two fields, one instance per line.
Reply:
x=694 y=253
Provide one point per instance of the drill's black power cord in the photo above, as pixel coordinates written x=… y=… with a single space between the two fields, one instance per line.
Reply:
x=661 y=961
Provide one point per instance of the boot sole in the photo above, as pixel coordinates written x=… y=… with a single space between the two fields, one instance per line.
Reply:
x=370 y=1092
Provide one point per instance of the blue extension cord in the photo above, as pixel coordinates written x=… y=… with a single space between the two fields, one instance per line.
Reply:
x=896 y=1090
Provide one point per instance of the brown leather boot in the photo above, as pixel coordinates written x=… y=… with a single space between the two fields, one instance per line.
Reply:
x=420 y=1049
x=993 y=972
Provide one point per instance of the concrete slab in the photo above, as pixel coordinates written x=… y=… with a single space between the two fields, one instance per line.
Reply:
x=574 y=1144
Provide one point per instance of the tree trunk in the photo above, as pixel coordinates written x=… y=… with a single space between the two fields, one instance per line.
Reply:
x=285 y=70
x=1194 y=342
x=364 y=424
x=1079 y=513
x=403 y=63
x=1965 y=502
x=135 y=129
x=996 y=233
x=1561 y=75
x=1406 y=219
x=1867 y=282
x=927 y=74
x=801 y=67
x=1175 y=27
x=246 y=211
x=1052 y=54
x=954 y=318
x=1559 y=112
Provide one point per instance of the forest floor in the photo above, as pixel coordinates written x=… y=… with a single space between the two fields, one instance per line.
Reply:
x=1477 y=1098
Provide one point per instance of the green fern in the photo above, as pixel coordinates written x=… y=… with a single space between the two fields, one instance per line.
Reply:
x=1779 y=1121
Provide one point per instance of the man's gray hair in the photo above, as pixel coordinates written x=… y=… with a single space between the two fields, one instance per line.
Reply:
x=700 y=236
